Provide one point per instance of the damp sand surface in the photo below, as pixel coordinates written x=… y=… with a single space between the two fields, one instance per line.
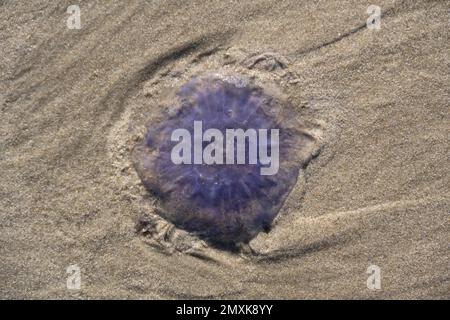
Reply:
x=376 y=191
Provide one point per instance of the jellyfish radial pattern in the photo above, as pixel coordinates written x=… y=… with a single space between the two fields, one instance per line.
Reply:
x=223 y=203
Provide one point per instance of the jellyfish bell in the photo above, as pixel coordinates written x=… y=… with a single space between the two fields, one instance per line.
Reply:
x=224 y=160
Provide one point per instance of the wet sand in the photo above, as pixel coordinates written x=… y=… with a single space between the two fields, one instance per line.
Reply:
x=74 y=103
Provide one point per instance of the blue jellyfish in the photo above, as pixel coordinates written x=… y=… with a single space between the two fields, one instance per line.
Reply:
x=223 y=202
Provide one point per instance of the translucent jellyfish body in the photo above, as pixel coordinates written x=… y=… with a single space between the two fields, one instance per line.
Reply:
x=222 y=202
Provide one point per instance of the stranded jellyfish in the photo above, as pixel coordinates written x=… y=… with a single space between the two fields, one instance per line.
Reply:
x=223 y=160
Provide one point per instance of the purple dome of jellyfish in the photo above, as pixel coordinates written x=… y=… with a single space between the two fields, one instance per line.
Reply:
x=221 y=202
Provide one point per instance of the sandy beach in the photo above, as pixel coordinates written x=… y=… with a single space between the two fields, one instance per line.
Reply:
x=374 y=195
